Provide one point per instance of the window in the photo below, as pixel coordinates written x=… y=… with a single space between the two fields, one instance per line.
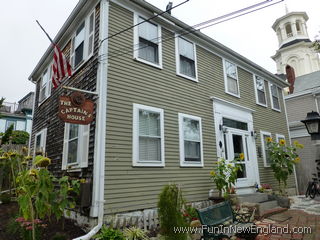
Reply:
x=148 y=136
x=288 y=30
x=274 y=95
x=261 y=98
x=40 y=141
x=75 y=146
x=234 y=124
x=265 y=153
x=82 y=42
x=9 y=123
x=190 y=135
x=45 y=84
x=298 y=26
x=231 y=78
x=186 y=59
x=280 y=137
x=147 y=40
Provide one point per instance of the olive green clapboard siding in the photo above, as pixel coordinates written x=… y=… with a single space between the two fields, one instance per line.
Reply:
x=130 y=81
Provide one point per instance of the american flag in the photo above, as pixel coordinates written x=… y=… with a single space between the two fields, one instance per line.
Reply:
x=60 y=68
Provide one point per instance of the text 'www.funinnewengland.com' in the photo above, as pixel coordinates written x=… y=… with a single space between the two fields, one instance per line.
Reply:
x=234 y=229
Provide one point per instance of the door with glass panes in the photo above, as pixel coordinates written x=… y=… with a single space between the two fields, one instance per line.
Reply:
x=237 y=141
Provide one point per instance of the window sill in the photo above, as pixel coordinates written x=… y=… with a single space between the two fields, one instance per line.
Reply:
x=232 y=94
x=262 y=105
x=159 y=66
x=187 y=77
x=148 y=164
x=275 y=109
x=186 y=165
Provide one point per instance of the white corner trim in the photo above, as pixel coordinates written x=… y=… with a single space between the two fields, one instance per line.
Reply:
x=183 y=163
x=242 y=108
x=263 y=147
x=135 y=137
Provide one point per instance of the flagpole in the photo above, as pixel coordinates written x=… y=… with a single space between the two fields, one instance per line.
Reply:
x=45 y=32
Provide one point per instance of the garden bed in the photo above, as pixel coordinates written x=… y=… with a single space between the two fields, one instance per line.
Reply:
x=10 y=210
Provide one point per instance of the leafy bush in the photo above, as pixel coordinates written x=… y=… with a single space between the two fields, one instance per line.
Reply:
x=6 y=135
x=135 y=233
x=20 y=137
x=283 y=159
x=108 y=233
x=170 y=207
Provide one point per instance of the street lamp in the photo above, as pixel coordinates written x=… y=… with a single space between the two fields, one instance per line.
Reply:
x=312 y=123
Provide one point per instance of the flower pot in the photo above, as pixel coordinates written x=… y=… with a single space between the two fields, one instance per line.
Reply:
x=283 y=202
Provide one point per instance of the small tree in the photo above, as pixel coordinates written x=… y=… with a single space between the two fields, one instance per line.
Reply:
x=1 y=104
x=170 y=207
x=283 y=159
x=7 y=134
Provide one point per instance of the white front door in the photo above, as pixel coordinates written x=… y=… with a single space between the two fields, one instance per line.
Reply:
x=235 y=135
x=237 y=142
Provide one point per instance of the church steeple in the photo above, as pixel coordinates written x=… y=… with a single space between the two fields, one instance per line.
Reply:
x=294 y=45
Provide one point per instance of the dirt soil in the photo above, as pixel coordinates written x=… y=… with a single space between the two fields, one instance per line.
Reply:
x=8 y=211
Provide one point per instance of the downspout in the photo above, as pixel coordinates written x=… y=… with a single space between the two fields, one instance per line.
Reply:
x=294 y=167
x=100 y=134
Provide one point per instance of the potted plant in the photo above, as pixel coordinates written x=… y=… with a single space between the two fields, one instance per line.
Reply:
x=225 y=175
x=283 y=159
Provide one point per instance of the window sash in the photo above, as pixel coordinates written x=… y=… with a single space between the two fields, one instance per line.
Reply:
x=231 y=70
x=266 y=155
x=148 y=31
x=148 y=51
x=186 y=49
x=275 y=96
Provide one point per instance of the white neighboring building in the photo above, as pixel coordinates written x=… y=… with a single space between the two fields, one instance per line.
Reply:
x=294 y=45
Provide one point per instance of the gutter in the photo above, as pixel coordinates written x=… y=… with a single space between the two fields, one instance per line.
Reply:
x=97 y=208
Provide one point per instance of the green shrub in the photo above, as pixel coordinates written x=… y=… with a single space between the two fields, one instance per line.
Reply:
x=20 y=137
x=59 y=236
x=135 y=233
x=170 y=207
x=7 y=134
x=5 y=198
x=108 y=233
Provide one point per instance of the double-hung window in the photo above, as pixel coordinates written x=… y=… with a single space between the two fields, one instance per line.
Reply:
x=40 y=141
x=261 y=97
x=190 y=136
x=45 y=84
x=148 y=136
x=274 y=95
x=280 y=137
x=231 y=78
x=186 y=58
x=264 y=145
x=75 y=146
x=83 y=41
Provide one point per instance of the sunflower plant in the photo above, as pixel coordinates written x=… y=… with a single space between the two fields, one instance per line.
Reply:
x=283 y=159
x=225 y=175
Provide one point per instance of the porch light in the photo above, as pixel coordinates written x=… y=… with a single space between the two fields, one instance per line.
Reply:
x=312 y=123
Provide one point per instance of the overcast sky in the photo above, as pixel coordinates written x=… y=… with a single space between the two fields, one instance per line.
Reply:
x=22 y=43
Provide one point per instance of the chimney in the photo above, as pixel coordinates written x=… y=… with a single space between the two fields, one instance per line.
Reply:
x=168 y=8
x=291 y=78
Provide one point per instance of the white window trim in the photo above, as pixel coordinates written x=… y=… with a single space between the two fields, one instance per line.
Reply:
x=86 y=56
x=263 y=147
x=256 y=91
x=271 y=97
x=43 y=140
x=226 y=79
x=83 y=148
x=48 y=84
x=280 y=136
x=136 y=42
x=178 y=59
x=183 y=163
x=135 y=136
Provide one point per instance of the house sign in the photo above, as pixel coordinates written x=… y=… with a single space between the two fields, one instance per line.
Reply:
x=76 y=109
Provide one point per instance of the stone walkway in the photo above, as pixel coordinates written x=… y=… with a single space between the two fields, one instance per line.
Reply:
x=302 y=221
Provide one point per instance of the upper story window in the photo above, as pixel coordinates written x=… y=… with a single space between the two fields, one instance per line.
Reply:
x=75 y=146
x=45 y=85
x=231 y=79
x=148 y=42
x=186 y=59
x=298 y=26
x=274 y=96
x=148 y=136
x=261 y=96
x=288 y=30
x=190 y=138
x=82 y=42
